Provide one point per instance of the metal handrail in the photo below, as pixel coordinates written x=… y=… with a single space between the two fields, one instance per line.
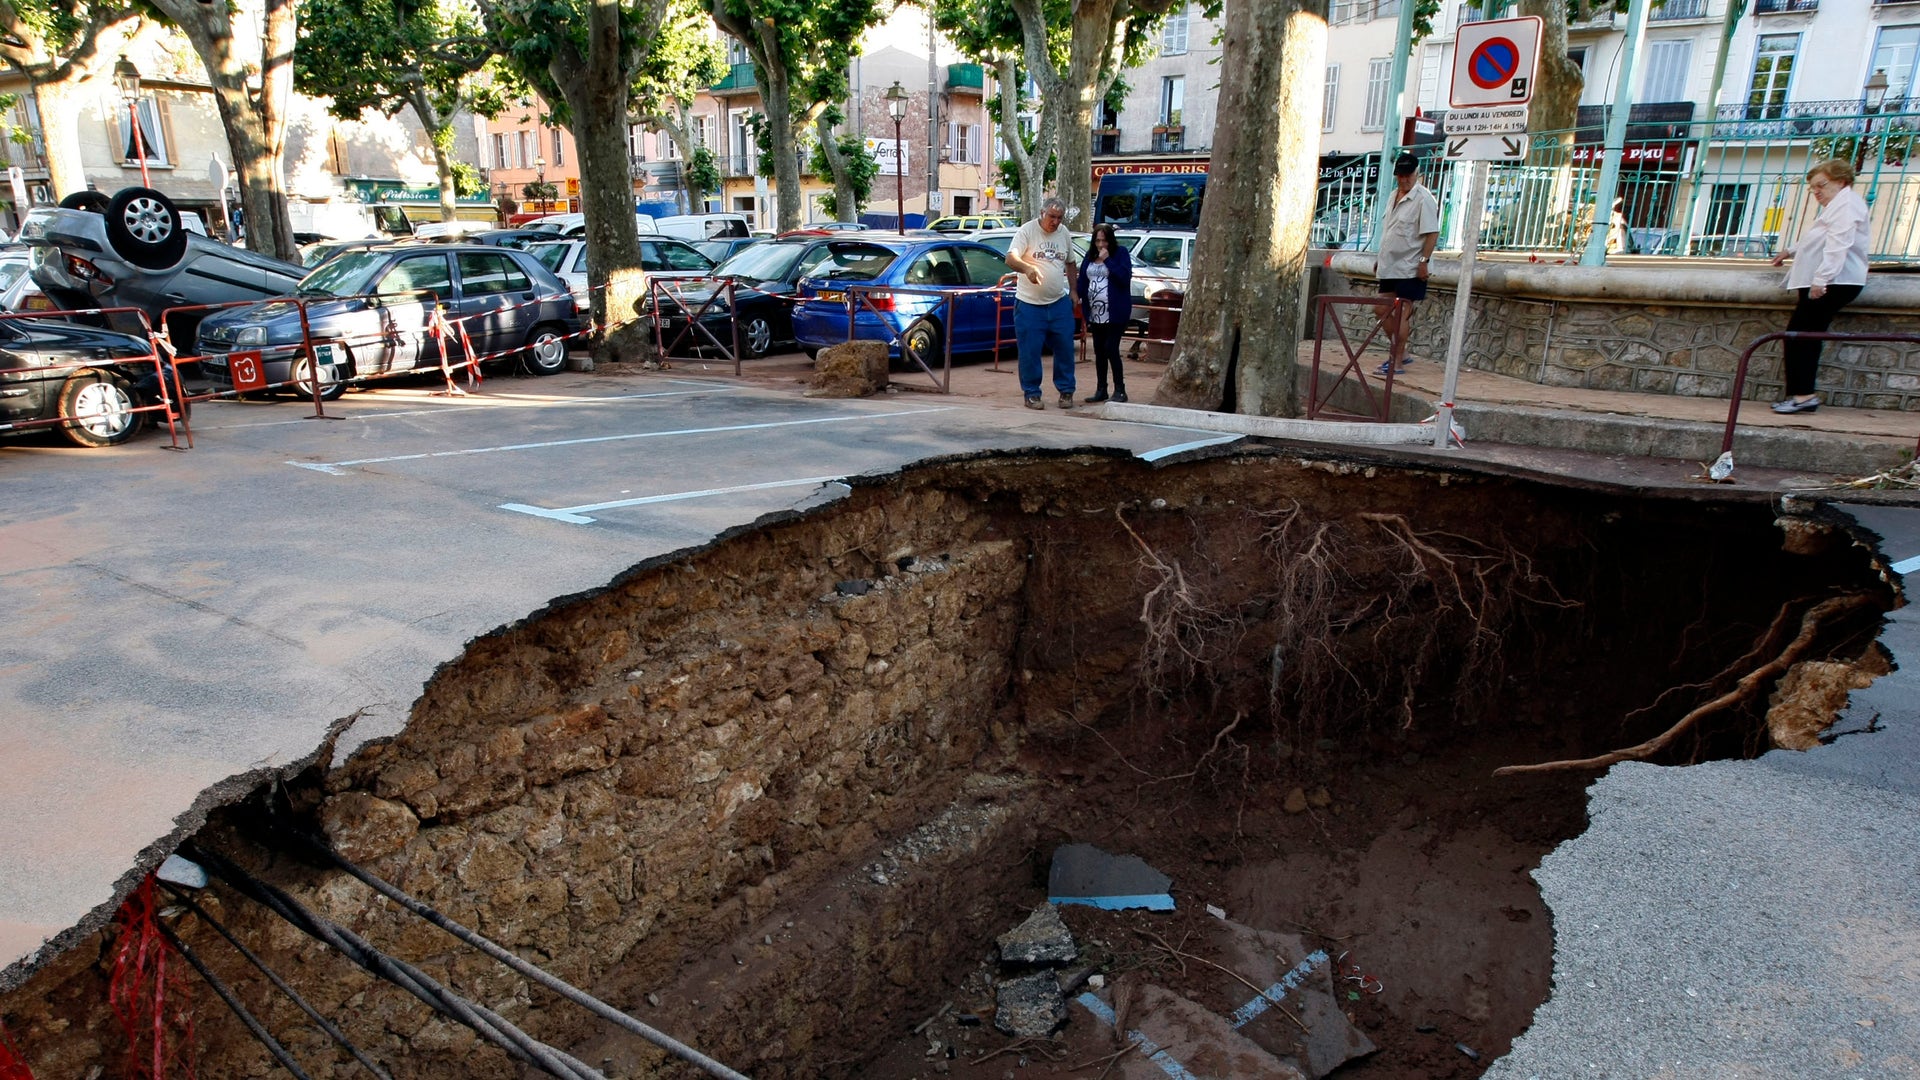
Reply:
x=1740 y=371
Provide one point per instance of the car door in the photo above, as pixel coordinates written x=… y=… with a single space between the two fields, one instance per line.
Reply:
x=494 y=300
x=989 y=314
x=407 y=292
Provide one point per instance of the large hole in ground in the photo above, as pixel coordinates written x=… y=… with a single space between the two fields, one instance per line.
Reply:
x=778 y=796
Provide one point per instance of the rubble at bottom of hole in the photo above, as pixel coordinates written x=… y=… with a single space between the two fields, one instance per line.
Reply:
x=1294 y=1028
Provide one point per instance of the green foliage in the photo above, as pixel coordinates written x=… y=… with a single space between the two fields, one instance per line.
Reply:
x=703 y=171
x=378 y=54
x=467 y=180
x=684 y=60
x=861 y=169
x=527 y=34
x=540 y=189
x=814 y=39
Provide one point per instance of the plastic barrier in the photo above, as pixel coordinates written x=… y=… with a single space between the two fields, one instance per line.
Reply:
x=171 y=405
x=1353 y=350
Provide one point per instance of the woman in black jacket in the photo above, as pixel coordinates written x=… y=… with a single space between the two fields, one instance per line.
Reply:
x=1105 y=289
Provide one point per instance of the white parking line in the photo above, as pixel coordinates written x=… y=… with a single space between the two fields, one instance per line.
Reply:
x=576 y=515
x=338 y=468
x=497 y=403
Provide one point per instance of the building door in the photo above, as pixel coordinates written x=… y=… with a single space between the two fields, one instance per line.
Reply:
x=1728 y=210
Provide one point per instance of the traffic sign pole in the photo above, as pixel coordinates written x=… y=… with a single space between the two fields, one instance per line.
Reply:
x=1463 y=295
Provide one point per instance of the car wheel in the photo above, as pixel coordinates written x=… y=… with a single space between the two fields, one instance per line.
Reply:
x=92 y=201
x=546 y=350
x=923 y=338
x=756 y=336
x=330 y=387
x=812 y=353
x=143 y=227
x=97 y=408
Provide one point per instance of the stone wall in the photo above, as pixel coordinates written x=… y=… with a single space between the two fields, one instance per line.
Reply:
x=1658 y=331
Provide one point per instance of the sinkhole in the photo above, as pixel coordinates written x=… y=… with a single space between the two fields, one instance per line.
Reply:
x=778 y=796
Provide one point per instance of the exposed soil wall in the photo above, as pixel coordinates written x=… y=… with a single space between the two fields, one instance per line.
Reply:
x=765 y=794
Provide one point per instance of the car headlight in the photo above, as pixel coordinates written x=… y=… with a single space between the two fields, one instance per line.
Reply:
x=250 y=335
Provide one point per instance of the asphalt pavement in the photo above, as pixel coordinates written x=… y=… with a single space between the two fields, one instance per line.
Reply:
x=180 y=621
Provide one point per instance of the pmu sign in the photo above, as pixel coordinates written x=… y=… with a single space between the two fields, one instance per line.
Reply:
x=1493 y=62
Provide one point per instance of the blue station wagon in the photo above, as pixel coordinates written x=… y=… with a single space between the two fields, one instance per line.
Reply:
x=976 y=322
x=375 y=307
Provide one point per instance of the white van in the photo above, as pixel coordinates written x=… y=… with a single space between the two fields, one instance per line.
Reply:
x=574 y=226
x=698 y=227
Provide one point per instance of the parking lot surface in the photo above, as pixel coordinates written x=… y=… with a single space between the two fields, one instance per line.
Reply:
x=181 y=621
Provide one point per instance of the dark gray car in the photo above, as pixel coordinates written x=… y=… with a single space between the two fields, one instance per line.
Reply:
x=132 y=250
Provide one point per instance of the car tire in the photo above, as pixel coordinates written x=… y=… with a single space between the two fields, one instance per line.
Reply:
x=756 y=336
x=144 y=228
x=329 y=391
x=546 y=352
x=812 y=353
x=923 y=337
x=91 y=201
x=97 y=409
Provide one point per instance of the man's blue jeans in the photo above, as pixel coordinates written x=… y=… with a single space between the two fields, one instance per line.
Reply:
x=1037 y=326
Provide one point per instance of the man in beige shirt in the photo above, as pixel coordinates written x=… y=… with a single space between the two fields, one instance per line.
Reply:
x=1407 y=237
x=1042 y=254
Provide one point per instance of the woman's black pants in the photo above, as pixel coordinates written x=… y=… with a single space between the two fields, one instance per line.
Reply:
x=1106 y=352
x=1803 y=356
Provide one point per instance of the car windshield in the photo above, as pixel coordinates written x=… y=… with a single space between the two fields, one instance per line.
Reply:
x=343 y=276
x=550 y=255
x=761 y=262
x=853 y=262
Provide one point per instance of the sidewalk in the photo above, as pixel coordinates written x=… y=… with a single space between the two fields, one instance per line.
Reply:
x=1616 y=436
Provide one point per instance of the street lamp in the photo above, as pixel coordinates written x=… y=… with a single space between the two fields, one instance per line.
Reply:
x=540 y=182
x=897 y=108
x=1875 y=94
x=127 y=77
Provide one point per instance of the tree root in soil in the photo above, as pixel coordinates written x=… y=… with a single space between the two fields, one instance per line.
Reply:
x=1351 y=619
x=1745 y=689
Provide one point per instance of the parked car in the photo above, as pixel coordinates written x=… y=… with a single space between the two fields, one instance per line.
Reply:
x=660 y=257
x=765 y=277
x=1001 y=239
x=967 y=223
x=835 y=226
x=724 y=248
x=973 y=321
x=513 y=238
x=373 y=308
x=90 y=378
x=1161 y=260
x=133 y=251
x=315 y=254
x=698 y=227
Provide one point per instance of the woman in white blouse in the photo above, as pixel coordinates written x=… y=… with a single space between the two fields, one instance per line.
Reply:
x=1829 y=270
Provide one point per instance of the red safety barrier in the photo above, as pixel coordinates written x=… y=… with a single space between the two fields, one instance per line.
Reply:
x=1352 y=350
x=872 y=297
x=1740 y=370
x=171 y=405
x=661 y=292
x=1158 y=328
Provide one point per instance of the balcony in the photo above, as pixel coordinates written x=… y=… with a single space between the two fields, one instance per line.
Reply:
x=1106 y=141
x=1677 y=10
x=732 y=165
x=738 y=81
x=1491 y=10
x=1783 y=7
x=1169 y=139
x=966 y=79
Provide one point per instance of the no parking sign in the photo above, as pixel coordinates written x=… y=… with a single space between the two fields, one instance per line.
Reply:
x=248 y=373
x=1494 y=61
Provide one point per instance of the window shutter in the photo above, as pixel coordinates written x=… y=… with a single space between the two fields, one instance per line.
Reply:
x=974 y=148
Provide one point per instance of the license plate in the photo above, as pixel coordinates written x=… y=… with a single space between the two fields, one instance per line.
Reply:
x=214 y=361
x=833 y=297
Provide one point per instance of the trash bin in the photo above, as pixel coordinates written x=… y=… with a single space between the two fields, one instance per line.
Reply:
x=1163 y=322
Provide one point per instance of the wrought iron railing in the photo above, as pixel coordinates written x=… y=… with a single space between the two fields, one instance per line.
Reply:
x=1679 y=9
x=1728 y=188
x=1780 y=7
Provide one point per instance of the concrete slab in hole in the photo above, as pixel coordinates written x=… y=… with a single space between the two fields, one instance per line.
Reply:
x=1084 y=874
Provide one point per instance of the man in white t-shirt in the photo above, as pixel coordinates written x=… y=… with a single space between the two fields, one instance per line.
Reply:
x=1042 y=254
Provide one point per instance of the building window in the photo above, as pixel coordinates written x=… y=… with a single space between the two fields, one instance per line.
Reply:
x=737 y=53
x=1379 y=76
x=1577 y=56
x=1666 y=70
x=153 y=140
x=1173 y=100
x=1332 y=96
x=1772 y=75
x=701 y=135
x=1341 y=12
x=663 y=146
x=1173 y=36
x=1895 y=53
x=500 y=151
x=527 y=146
x=559 y=149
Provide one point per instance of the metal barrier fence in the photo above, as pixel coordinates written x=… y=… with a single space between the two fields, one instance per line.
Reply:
x=1731 y=187
x=1352 y=349
x=91 y=400
x=1746 y=358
